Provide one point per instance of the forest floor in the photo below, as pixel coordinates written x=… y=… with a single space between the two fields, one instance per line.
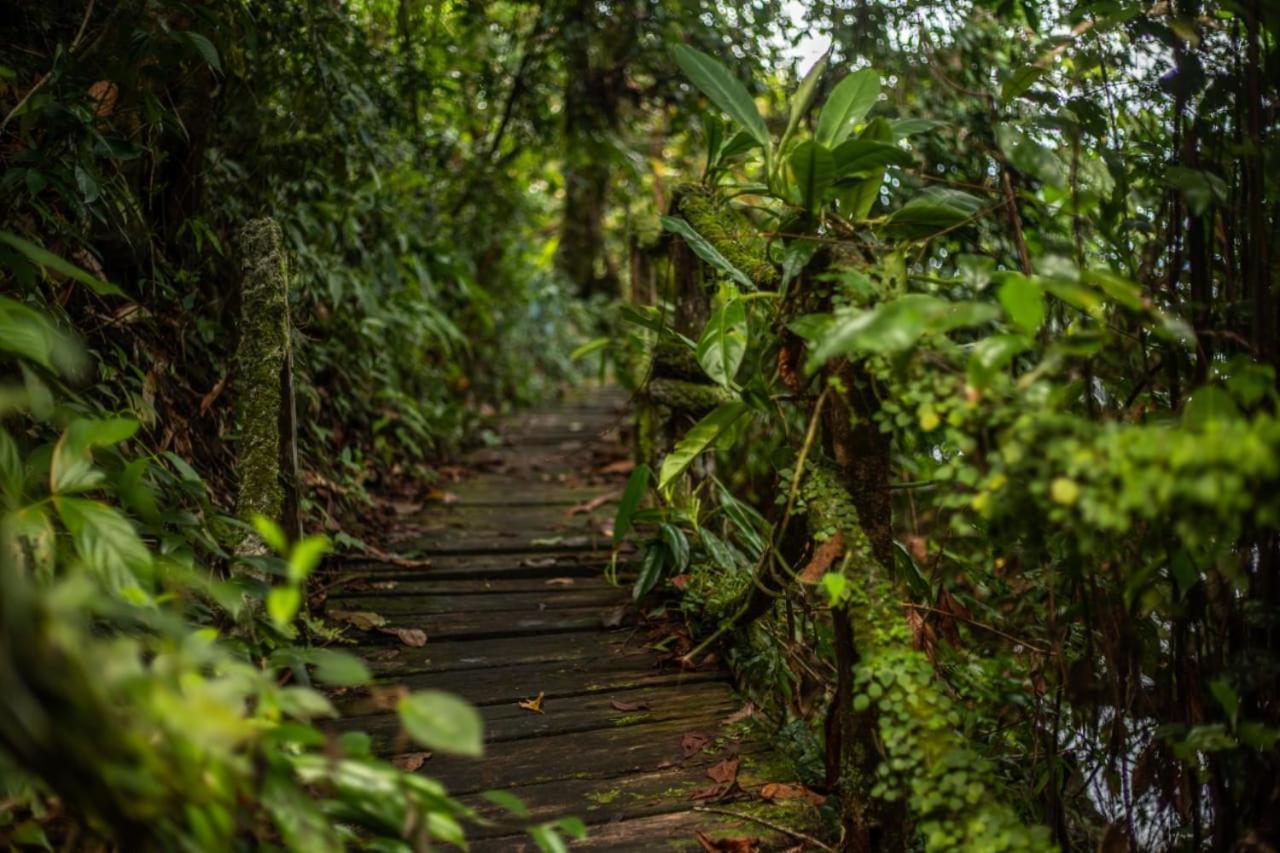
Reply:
x=498 y=593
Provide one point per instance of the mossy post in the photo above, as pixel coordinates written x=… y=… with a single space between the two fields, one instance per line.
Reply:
x=266 y=420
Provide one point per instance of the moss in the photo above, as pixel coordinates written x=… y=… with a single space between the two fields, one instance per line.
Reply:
x=603 y=798
x=631 y=719
x=732 y=234
x=673 y=358
x=260 y=359
x=691 y=397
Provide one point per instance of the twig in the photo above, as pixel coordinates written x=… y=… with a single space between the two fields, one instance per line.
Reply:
x=975 y=623
x=44 y=78
x=776 y=827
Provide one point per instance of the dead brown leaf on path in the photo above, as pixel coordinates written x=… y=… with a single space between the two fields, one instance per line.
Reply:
x=619 y=705
x=747 y=710
x=415 y=637
x=365 y=620
x=692 y=743
x=386 y=698
x=724 y=773
x=442 y=496
x=785 y=791
x=613 y=617
x=410 y=761
x=622 y=466
x=822 y=558
x=593 y=504
x=726 y=845
x=534 y=704
x=559 y=582
x=406 y=507
x=538 y=562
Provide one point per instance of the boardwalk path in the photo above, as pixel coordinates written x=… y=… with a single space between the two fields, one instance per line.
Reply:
x=515 y=604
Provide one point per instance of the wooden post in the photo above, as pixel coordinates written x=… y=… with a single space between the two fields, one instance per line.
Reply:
x=266 y=422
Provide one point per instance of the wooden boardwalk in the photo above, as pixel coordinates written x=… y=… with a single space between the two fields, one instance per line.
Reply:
x=514 y=605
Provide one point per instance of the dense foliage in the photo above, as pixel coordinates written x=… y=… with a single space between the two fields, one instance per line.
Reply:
x=955 y=367
x=989 y=369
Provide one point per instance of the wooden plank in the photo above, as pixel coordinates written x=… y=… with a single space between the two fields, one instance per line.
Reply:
x=493 y=624
x=664 y=831
x=478 y=587
x=461 y=655
x=597 y=754
x=572 y=714
x=555 y=679
x=546 y=598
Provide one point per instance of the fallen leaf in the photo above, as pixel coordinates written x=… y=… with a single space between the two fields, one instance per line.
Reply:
x=386 y=698
x=725 y=845
x=559 y=582
x=784 y=791
x=822 y=559
x=747 y=710
x=693 y=742
x=681 y=581
x=207 y=400
x=538 y=562
x=593 y=504
x=724 y=773
x=619 y=705
x=534 y=704
x=104 y=95
x=622 y=466
x=613 y=617
x=442 y=496
x=406 y=507
x=365 y=620
x=410 y=761
x=415 y=637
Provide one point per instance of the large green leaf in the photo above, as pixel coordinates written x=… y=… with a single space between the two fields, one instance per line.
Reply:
x=632 y=495
x=847 y=104
x=1030 y=157
x=867 y=157
x=933 y=210
x=705 y=250
x=814 y=170
x=888 y=327
x=724 y=342
x=442 y=721
x=698 y=439
x=26 y=333
x=1023 y=300
x=803 y=97
x=43 y=257
x=106 y=542
x=724 y=90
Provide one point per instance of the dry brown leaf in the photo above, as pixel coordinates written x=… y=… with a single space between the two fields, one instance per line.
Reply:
x=387 y=698
x=559 y=582
x=365 y=620
x=538 y=562
x=724 y=773
x=693 y=742
x=747 y=710
x=681 y=581
x=613 y=617
x=534 y=704
x=622 y=466
x=442 y=496
x=206 y=402
x=823 y=557
x=104 y=95
x=619 y=705
x=406 y=507
x=784 y=791
x=726 y=845
x=410 y=761
x=415 y=637
x=593 y=504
